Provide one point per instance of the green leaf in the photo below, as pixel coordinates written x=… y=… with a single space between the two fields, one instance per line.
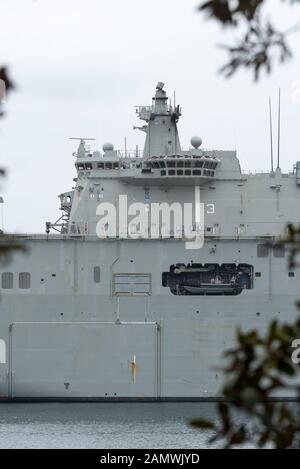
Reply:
x=204 y=424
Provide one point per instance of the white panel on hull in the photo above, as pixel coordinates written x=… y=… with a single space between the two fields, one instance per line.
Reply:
x=83 y=360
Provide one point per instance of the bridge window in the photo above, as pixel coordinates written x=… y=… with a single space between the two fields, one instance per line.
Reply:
x=24 y=280
x=7 y=280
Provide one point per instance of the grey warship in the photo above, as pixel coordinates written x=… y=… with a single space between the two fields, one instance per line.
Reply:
x=142 y=310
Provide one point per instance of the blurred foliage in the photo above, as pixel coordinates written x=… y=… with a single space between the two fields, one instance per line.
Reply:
x=8 y=84
x=259 y=369
x=260 y=45
x=7 y=243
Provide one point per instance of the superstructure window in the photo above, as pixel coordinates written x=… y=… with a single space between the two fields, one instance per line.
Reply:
x=24 y=280
x=278 y=250
x=7 y=280
x=132 y=284
x=262 y=250
x=97 y=274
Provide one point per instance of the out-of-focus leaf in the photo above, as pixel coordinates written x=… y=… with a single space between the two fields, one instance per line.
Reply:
x=204 y=424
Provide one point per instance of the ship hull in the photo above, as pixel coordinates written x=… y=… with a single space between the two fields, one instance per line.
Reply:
x=73 y=336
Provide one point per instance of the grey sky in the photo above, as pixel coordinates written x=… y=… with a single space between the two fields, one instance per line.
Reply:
x=81 y=66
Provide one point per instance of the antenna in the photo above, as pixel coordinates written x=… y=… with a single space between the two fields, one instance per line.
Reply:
x=279 y=118
x=271 y=134
x=81 y=138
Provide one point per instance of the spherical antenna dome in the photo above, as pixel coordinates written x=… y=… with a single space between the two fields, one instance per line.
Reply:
x=196 y=142
x=108 y=147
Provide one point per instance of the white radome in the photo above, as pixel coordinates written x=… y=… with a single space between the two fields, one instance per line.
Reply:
x=107 y=146
x=196 y=142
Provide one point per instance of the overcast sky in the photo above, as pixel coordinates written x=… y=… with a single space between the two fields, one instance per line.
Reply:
x=81 y=65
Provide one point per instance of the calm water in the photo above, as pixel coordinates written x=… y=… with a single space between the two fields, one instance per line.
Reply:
x=103 y=425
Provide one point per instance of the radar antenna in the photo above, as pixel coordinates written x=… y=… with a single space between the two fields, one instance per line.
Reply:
x=271 y=135
x=279 y=123
x=81 y=138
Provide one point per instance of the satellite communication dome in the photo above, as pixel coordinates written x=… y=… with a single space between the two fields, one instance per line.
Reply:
x=196 y=142
x=108 y=147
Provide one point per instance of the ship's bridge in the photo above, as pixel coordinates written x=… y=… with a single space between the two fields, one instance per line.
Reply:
x=187 y=165
x=186 y=168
